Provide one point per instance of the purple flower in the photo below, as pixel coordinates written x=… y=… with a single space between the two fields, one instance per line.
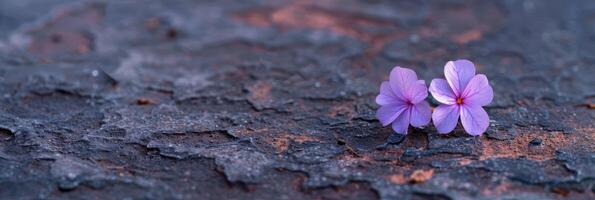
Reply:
x=402 y=101
x=462 y=93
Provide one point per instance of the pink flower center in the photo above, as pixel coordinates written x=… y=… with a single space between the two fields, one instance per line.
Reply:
x=459 y=100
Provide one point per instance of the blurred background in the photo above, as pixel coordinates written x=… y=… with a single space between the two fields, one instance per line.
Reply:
x=275 y=99
x=184 y=43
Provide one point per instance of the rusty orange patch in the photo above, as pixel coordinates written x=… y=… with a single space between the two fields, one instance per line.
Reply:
x=420 y=175
x=520 y=147
x=398 y=179
x=144 y=101
x=468 y=36
x=464 y=161
x=260 y=92
x=303 y=15
x=281 y=142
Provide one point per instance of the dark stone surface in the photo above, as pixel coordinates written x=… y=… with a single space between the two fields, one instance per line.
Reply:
x=275 y=99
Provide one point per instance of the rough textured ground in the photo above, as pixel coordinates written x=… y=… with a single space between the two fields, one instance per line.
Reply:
x=275 y=100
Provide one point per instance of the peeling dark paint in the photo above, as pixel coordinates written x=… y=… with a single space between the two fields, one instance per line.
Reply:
x=275 y=100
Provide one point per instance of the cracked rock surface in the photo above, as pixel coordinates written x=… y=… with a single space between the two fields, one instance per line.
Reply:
x=275 y=99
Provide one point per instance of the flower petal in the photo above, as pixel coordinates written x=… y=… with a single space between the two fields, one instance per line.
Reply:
x=475 y=119
x=417 y=92
x=445 y=117
x=401 y=124
x=420 y=114
x=478 y=92
x=400 y=79
x=458 y=74
x=441 y=92
x=387 y=96
x=388 y=113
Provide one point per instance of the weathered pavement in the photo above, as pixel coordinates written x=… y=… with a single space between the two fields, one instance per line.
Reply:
x=275 y=100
